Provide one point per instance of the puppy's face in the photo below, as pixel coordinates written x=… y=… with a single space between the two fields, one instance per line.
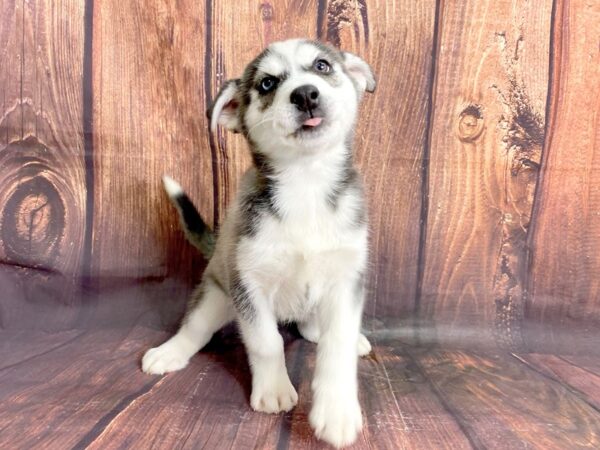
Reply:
x=295 y=96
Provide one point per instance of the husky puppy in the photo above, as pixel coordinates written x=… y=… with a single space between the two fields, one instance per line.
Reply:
x=294 y=244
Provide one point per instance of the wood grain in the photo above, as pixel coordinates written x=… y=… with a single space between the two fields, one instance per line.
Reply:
x=396 y=39
x=451 y=182
x=486 y=138
x=20 y=347
x=42 y=176
x=502 y=403
x=44 y=300
x=148 y=121
x=413 y=407
x=565 y=241
x=84 y=389
x=581 y=379
x=54 y=399
x=207 y=406
x=181 y=410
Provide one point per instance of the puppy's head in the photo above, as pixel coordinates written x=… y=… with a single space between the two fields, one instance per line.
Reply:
x=296 y=96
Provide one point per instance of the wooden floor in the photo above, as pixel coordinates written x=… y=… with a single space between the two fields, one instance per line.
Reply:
x=84 y=389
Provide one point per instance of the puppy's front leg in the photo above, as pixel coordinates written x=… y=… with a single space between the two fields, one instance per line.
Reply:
x=335 y=414
x=272 y=390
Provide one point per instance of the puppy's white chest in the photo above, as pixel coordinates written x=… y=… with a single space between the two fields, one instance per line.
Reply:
x=293 y=262
x=308 y=244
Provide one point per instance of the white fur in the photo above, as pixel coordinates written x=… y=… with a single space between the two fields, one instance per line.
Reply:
x=272 y=390
x=211 y=314
x=309 y=329
x=280 y=120
x=172 y=187
x=222 y=114
x=303 y=265
x=336 y=415
x=360 y=71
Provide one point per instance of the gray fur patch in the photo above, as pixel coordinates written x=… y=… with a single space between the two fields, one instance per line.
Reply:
x=348 y=176
x=260 y=199
x=266 y=99
x=329 y=51
x=360 y=216
x=359 y=288
x=195 y=299
x=332 y=78
x=331 y=55
x=349 y=183
x=241 y=298
x=196 y=230
x=208 y=281
x=247 y=83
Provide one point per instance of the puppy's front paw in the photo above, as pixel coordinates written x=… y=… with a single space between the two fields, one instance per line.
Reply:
x=163 y=359
x=336 y=419
x=274 y=397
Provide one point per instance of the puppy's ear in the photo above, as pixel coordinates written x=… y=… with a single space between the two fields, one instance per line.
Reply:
x=360 y=72
x=224 y=110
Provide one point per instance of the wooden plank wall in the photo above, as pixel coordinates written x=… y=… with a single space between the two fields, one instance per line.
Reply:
x=487 y=133
x=43 y=242
x=565 y=264
x=148 y=113
x=484 y=214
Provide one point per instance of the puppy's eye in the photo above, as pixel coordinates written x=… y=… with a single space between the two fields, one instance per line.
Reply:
x=267 y=84
x=320 y=65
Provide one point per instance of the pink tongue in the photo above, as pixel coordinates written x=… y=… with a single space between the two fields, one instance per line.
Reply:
x=313 y=122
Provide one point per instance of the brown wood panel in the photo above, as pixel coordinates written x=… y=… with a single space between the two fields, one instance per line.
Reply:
x=565 y=240
x=86 y=390
x=410 y=403
x=206 y=406
x=43 y=174
x=486 y=139
x=21 y=347
x=396 y=38
x=45 y=300
x=589 y=363
x=581 y=379
x=60 y=397
x=502 y=403
x=148 y=120
x=237 y=33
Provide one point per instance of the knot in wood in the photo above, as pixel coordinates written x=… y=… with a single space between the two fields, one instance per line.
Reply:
x=32 y=220
x=266 y=12
x=470 y=123
x=33 y=217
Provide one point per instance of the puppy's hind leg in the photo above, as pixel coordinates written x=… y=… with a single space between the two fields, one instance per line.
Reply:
x=210 y=309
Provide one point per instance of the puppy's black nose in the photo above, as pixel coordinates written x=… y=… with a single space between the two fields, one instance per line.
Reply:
x=305 y=97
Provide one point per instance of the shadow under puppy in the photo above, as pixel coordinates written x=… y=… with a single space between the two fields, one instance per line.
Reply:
x=294 y=244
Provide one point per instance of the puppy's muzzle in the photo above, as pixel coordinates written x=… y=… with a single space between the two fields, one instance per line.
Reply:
x=305 y=97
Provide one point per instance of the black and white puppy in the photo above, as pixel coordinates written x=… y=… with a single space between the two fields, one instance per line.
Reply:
x=294 y=244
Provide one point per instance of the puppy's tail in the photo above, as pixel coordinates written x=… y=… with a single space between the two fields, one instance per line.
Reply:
x=196 y=231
